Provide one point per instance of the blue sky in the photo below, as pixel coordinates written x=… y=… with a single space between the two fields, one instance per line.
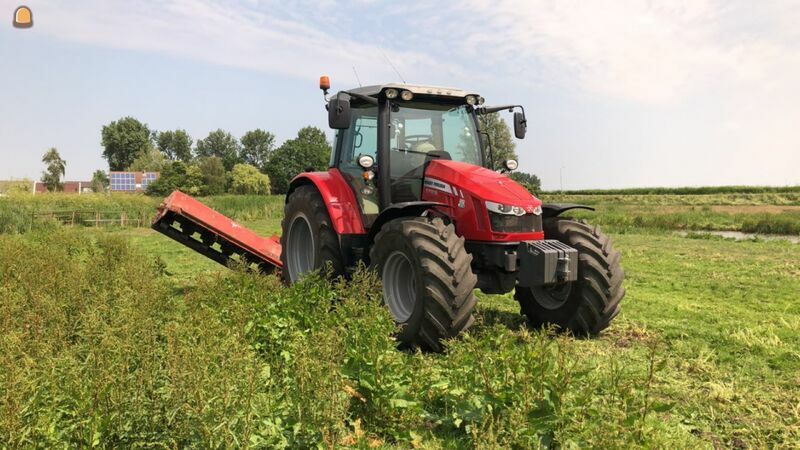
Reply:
x=618 y=93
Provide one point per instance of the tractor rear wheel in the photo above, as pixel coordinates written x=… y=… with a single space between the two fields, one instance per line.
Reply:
x=308 y=241
x=427 y=279
x=587 y=305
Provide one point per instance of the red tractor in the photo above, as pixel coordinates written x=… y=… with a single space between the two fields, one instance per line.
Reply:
x=412 y=192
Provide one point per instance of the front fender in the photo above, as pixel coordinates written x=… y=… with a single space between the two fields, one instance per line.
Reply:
x=406 y=209
x=338 y=197
x=556 y=209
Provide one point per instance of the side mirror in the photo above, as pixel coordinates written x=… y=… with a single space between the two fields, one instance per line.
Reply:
x=339 y=112
x=520 y=125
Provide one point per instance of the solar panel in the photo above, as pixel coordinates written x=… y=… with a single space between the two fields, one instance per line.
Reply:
x=147 y=178
x=123 y=181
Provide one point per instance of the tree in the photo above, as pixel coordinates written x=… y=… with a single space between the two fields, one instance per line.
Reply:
x=99 y=181
x=528 y=180
x=503 y=145
x=310 y=149
x=56 y=168
x=123 y=140
x=214 y=176
x=222 y=144
x=246 y=179
x=257 y=146
x=150 y=160
x=178 y=175
x=175 y=145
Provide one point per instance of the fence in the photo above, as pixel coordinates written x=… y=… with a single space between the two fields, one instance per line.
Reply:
x=93 y=218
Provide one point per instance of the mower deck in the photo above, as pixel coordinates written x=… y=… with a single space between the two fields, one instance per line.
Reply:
x=214 y=235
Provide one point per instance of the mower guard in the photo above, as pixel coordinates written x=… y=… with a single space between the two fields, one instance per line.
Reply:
x=214 y=235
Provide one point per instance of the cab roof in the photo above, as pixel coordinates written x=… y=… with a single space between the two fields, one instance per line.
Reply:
x=374 y=90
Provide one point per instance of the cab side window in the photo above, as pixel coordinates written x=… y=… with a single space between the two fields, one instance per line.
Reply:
x=360 y=139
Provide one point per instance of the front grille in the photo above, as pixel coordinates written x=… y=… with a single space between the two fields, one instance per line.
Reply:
x=509 y=223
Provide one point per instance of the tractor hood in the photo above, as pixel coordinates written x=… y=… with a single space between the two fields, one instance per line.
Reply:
x=480 y=182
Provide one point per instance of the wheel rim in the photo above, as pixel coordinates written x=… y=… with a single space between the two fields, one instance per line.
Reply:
x=552 y=297
x=300 y=248
x=399 y=286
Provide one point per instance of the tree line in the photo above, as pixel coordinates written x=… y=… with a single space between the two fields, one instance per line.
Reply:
x=217 y=164
x=222 y=163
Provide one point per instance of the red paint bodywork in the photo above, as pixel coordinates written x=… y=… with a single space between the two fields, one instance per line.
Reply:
x=224 y=229
x=338 y=197
x=475 y=185
x=471 y=183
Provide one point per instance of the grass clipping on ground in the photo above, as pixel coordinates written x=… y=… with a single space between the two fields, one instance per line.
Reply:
x=98 y=348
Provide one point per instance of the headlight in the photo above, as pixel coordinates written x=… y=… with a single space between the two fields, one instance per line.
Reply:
x=505 y=209
x=406 y=95
x=366 y=161
x=510 y=164
x=471 y=100
x=481 y=100
x=390 y=93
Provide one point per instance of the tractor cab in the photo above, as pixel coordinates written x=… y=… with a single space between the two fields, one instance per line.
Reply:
x=388 y=134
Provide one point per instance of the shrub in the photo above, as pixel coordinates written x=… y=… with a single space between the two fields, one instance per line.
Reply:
x=246 y=179
x=178 y=175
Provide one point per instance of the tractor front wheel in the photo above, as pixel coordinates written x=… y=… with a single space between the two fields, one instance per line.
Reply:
x=587 y=305
x=427 y=279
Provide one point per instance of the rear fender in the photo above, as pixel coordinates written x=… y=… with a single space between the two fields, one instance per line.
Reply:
x=338 y=197
x=406 y=209
x=556 y=209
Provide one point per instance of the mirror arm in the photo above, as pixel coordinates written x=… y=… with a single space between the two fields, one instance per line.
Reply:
x=366 y=98
x=493 y=109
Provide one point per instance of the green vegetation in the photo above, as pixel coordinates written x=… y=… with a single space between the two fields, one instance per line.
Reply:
x=497 y=136
x=123 y=140
x=133 y=339
x=17 y=212
x=246 y=179
x=130 y=145
x=257 y=148
x=310 y=149
x=221 y=144
x=19 y=186
x=701 y=190
x=56 y=167
x=175 y=145
x=768 y=213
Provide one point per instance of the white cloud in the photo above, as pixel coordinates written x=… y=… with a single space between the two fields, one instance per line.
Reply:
x=251 y=35
x=639 y=50
x=645 y=51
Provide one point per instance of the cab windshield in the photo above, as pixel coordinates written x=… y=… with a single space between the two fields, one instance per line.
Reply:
x=424 y=131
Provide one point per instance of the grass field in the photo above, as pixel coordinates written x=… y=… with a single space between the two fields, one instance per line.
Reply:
x=131 y=339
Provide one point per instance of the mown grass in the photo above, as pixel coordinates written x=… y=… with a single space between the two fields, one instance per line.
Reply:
x=107 y=351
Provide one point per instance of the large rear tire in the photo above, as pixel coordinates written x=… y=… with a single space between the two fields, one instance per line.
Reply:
x=308 y=241
x=427 y=279
x=587 y=305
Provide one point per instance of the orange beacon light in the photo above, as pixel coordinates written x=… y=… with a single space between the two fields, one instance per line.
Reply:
x=23 y=17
